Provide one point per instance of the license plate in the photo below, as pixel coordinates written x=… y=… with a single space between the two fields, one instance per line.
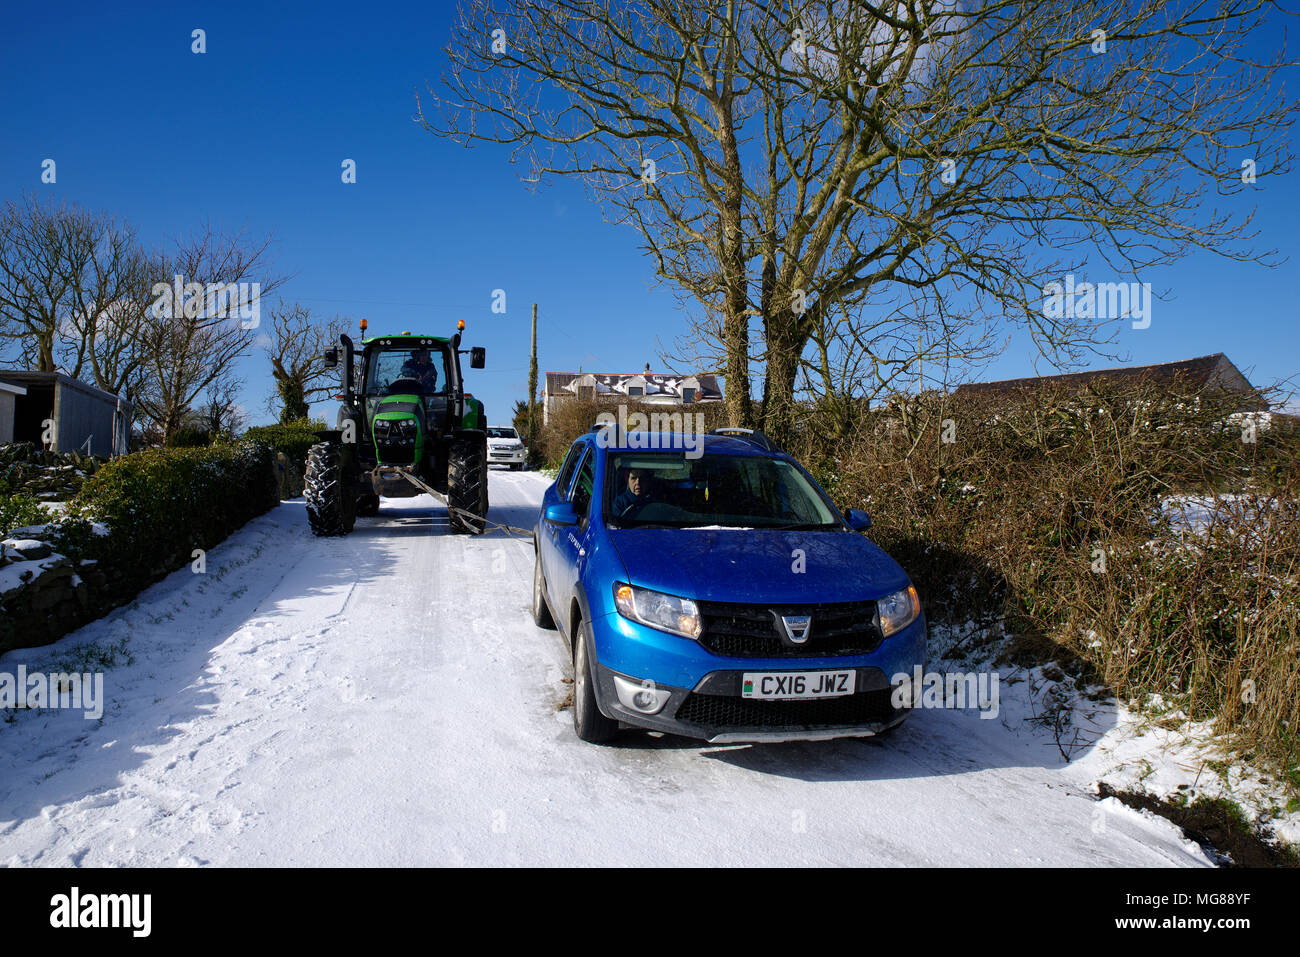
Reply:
x=783 y=685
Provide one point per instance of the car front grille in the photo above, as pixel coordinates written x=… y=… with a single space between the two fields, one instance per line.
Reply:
x=753 y=631
x=727 y=711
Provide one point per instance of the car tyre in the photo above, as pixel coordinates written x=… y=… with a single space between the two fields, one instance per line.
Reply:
x=588 y=722
x=541 y=610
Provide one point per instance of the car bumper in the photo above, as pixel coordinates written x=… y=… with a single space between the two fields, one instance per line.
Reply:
x=505 y=456
x=704 y=696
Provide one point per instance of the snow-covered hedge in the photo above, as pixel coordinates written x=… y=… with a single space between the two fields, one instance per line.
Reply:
x=137 y=519
x=160 y=504
x=1062 y=519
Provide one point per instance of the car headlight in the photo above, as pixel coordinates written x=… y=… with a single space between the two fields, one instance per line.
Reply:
x=898 y=610
x=665 y=612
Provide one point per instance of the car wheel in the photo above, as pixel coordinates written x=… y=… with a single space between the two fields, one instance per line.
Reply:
x=541 y=610
x=590 y=724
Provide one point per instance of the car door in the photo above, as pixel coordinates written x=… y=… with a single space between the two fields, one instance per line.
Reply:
x=570 y=540
x=548 y=544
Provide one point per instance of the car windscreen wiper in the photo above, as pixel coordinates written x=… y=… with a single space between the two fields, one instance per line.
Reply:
x=800 y=527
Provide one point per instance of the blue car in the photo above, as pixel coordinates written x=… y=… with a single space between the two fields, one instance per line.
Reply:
x=716 y=592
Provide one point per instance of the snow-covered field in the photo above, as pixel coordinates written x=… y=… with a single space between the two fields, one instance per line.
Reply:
x=385 y=699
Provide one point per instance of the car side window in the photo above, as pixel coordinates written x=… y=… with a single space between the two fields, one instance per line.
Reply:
x=583 y=487
x=566 y=470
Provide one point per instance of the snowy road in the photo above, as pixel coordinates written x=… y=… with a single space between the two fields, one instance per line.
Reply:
x=385 y=699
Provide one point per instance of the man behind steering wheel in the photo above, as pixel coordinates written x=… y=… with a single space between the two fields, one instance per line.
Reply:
x=421 y=368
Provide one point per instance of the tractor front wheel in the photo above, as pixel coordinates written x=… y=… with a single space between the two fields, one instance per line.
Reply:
x=467 y=485
x=331 y=504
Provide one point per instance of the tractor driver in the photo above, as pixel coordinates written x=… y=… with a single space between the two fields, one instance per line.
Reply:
x=421 y=368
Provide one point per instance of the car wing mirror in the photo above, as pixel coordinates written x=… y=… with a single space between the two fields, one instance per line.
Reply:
x=858 y=520
x=561 y=514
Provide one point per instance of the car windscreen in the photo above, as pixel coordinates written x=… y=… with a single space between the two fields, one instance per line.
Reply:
x=669 y=489
x=501 y=434
x=398 y=371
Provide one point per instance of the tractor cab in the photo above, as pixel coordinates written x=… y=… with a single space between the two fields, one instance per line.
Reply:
x=406 y=427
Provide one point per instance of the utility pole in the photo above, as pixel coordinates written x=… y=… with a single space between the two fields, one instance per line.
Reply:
x=532 y=384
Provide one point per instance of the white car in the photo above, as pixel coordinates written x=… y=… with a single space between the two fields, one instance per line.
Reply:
x=505 y=447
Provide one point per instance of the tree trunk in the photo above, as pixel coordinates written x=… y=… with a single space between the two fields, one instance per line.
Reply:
x=784 y=347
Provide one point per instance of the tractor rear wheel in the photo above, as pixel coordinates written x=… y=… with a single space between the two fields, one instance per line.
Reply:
x=331 y=504
x=467 y=485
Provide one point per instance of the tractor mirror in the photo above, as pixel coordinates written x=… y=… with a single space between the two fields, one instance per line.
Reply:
x=331 y=357
x=477 y=357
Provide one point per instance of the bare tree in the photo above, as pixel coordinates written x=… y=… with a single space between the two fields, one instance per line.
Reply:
x=218 y=412
x=297 y=344
x=72 y=283
x=785 y=160
x=204 y=319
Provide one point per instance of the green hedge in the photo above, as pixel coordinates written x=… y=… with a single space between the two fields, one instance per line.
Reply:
x=17 y=510
x=161 y=504
x=293 y=438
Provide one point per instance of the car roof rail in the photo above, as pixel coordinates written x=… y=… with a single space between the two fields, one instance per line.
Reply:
x=753 y=435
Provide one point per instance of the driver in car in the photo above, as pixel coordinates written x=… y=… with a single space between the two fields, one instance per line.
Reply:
x=421 y=368
x=638 y=493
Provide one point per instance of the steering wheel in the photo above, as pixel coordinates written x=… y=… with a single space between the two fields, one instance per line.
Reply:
x=405 y=384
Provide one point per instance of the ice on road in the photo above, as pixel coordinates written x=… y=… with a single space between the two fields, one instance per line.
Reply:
x=385 y=699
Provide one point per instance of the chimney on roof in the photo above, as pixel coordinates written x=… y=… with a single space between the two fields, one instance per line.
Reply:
x=647 y=368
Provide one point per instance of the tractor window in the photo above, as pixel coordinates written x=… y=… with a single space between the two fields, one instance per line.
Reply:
x=416 y=371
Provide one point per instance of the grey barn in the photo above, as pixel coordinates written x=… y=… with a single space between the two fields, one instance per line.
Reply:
x=84 y=418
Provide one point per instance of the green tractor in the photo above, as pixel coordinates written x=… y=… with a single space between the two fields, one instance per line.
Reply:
x=406 y=426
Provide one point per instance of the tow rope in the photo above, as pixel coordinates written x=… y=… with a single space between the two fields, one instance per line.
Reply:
x=469 y=516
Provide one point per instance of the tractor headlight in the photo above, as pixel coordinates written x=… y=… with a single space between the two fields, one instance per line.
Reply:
x=898 y=610
x=665 y=612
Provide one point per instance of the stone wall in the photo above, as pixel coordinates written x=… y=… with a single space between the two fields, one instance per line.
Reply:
x=44 y=595
x=42 y=474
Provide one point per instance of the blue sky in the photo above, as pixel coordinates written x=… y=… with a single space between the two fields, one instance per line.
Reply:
x=252 y=134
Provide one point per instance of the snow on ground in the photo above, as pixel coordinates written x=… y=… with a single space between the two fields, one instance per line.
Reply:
x=385 y=699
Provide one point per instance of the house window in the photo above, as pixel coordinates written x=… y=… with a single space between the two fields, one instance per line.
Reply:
x=688 y=395
x=585 y=391
x=635 y=390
